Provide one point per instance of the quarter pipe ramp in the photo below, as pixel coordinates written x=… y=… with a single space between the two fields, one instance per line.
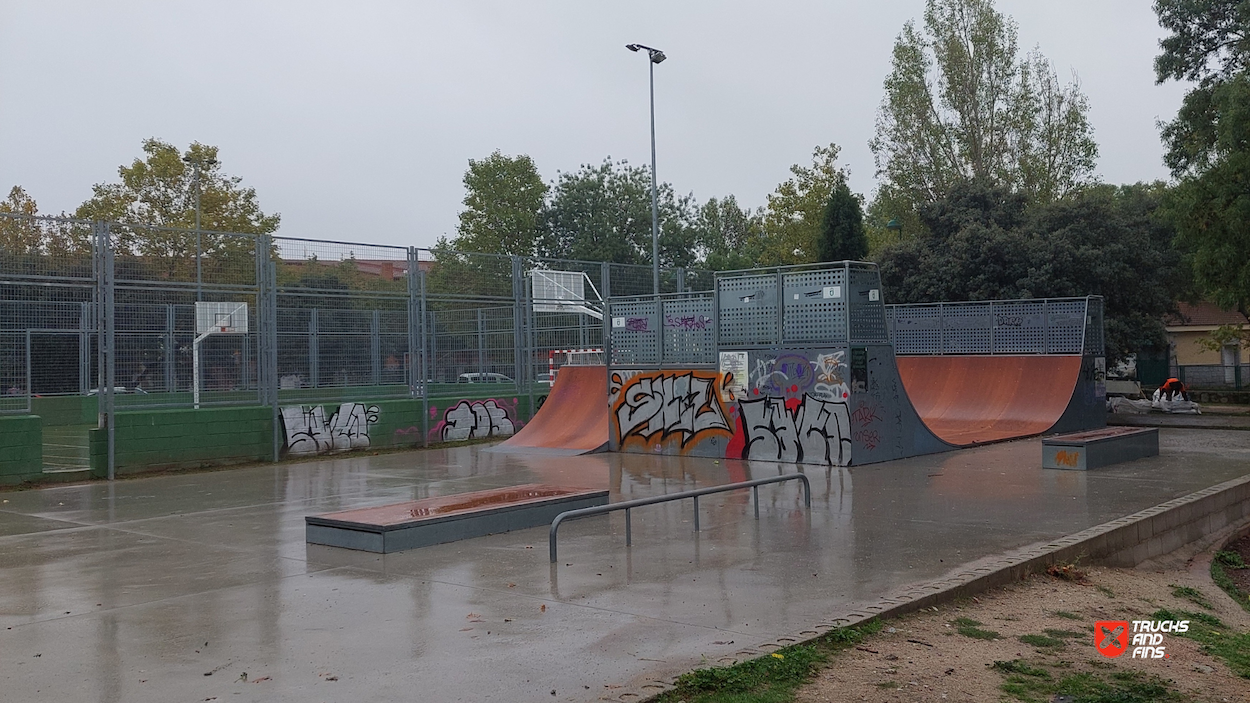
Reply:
x=967 y=400
x=574 y=418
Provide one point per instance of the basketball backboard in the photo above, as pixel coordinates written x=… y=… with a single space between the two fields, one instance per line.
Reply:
x=220 y=318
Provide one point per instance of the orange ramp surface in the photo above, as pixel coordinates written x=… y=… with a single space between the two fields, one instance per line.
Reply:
x=967 y=400
x=574 y=418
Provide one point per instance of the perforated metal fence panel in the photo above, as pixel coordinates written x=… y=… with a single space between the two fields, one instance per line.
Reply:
x=748 y=309
x=814 y=305
x=1095 y=333
x=1042 y=326
x=866 y=307
x=635 y=332
x=689 y=330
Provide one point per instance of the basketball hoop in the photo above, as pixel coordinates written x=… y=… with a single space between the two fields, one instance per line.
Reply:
x=213 y=318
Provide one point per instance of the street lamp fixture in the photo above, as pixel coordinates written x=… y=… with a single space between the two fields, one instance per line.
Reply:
x=655 y=56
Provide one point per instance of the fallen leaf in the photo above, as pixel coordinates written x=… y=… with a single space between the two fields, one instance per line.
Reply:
x=470 y=616
x=542 y=609
x=778 y=656
x=465 y=629
x=512 y=585
x=263 y=678
x=332 y=678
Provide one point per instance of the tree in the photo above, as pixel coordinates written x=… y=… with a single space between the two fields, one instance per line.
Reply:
x=34 y=239
x=1209 y=141
x=797 y=208
x=986 y=244
x=962 y=104
x=155 y=203
x=842 y=235
x=504 y=197
x=603 y=213
x=20 y=235
x=729 y=237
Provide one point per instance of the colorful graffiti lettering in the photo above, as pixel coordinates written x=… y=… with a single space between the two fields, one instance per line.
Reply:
x=684 y=405
x=687 y=322
x=812 y=431
x=474 y=419
x=307 y=430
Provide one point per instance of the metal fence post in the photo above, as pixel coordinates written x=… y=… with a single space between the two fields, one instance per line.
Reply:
x=314 y=354
x=106 y=342
x=85 y=325
x=605 y=279
x=267 y=300
x=375 y=347
x=414 y=319
x=427 y=346
x=481 y=348
x=518 y=323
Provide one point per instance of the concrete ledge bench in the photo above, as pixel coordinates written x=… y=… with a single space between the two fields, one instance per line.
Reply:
x=1081 y=451
x=421 y=523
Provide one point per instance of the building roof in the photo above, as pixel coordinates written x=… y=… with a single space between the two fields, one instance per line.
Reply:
x=1204 y=314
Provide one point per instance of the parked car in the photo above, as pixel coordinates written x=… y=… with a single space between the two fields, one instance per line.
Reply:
x=118 y=390
x=483 y=378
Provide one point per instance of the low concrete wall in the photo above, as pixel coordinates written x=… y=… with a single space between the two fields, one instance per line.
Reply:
x=21 y=448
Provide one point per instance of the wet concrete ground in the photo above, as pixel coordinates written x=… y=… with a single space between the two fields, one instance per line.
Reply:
x=170 y=588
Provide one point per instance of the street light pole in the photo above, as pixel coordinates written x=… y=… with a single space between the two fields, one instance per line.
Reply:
x=195 y=179
x=655 y=56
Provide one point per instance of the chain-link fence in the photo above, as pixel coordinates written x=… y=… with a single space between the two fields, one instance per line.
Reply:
x=98 y=317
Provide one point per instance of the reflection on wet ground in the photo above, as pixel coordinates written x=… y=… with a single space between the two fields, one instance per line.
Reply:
x=135 y=590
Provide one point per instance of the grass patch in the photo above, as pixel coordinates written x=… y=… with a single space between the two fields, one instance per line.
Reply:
x=1066 y=615
x=972 y=628
x=1215 y=637
x=769 y=679
x=889 y=684
x=1106 y=591
x=1192 y=595
x=1231 y=560
x=1220 y=566
x=1026 y=682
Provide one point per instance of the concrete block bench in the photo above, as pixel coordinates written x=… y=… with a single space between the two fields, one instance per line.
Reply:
x=421 y=523
x=1081 y=451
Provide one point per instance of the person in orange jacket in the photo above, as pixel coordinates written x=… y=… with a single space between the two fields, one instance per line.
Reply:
x=1174 y=387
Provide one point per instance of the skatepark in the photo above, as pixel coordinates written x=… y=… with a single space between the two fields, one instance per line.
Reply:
x=916 y=426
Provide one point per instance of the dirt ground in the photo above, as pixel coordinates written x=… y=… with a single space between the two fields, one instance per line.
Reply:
x=924 y=657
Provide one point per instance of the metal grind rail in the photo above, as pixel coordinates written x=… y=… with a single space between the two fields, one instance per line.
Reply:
x=628 y=505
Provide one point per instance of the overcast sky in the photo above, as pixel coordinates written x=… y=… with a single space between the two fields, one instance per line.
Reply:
x=356 y=120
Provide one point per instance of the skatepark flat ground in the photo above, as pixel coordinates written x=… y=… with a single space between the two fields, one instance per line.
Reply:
x=170 y=588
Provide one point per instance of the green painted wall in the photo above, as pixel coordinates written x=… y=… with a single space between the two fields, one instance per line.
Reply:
x=152 y=440
x=62 y=410
x=21 y=448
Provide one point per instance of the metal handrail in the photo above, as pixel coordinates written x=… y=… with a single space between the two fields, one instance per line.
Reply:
x=628 y=505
